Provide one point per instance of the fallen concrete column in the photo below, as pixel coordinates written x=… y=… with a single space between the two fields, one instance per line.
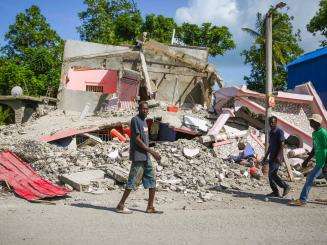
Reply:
x=221 y=121
x=145 y=74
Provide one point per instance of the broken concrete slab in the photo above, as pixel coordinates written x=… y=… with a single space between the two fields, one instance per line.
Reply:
x=113 y=155
x=117 y=173
x=93 y=138
x=191 y=152
x=81 y=181
x=194 y=122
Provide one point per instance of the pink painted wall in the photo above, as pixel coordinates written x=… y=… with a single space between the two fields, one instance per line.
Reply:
x=77 y=80
x=128 y=89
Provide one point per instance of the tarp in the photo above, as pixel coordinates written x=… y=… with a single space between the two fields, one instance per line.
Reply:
x=24 y=180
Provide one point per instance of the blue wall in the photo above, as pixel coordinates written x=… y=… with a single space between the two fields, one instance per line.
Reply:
x=313 y=70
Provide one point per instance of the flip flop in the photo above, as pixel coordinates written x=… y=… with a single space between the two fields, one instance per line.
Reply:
x=123 y=210
x=153 y=211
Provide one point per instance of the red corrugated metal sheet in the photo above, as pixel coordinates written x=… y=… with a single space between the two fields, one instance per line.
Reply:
x=66 y=133
x=24 y=180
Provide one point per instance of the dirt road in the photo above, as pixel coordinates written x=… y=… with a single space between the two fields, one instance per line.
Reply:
x=229 y=218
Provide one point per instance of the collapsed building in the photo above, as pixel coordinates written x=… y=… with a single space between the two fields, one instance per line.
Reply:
x=102 y=75
x=87 y=136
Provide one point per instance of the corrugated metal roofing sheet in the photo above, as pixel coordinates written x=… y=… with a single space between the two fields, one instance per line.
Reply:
x=24 y=180
x=309 y=56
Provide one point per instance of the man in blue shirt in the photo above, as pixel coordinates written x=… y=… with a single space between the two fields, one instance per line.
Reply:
x=275 y=152
x=141 y=168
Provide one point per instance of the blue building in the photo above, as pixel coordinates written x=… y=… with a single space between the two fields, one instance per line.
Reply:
x=310 y=67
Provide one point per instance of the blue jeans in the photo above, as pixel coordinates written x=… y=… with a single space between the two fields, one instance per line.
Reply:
x=141 y=171
x=315 y=172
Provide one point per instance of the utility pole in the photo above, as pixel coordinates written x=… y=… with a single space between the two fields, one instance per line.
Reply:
x=269 y=84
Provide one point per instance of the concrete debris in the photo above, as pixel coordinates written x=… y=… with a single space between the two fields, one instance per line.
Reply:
x=297 y=174
x=206 y=196
x=297 y=152
x=195 y=123
x=190 y=153
x=201 y=172
x=81 y=181
x=117 y=173
x=320 y=182
x=295 y=162
x=94 y=138
x=114 y=154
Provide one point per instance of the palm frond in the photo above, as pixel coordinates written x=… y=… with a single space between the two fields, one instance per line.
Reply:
x=253 y=33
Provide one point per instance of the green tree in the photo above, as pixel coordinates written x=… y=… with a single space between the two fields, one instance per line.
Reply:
x=32 y=56
x=120 y=21
x=217 y=38
x=6 y=115
x=159 y=27
x=110 y=21
x=285 y=48
x=319 y=22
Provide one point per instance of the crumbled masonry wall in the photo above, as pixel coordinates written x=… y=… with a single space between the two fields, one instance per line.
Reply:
x=191 y=86
x=75 y=100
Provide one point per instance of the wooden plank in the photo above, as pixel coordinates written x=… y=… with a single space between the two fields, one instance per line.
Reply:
x=288 y=166
x=145 y=74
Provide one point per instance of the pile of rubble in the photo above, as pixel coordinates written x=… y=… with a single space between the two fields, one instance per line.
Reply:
x=192 y=167
x=186 y=166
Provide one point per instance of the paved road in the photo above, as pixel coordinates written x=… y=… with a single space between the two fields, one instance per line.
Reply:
x=228 y=219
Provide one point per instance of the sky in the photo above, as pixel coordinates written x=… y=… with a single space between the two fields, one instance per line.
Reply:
x=235 y=14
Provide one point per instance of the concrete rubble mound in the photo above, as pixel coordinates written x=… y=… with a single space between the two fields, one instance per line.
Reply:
x=175 y=172
x=178 y=172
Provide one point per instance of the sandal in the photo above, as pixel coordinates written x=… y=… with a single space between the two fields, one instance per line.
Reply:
x=123 y=210
x=298 y=203
x=152 y=210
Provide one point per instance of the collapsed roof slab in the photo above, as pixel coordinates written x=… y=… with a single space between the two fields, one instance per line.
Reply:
x=318 y=106
x=224 y=94
x=305 y=95
x=74 y=49
x=289 y=128
x=189 y=60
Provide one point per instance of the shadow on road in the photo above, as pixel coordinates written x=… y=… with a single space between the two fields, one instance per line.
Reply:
x=259 y=197
x=111 y=209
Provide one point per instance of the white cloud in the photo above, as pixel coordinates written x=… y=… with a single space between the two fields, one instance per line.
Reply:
x=236 y=14
x=222 y=12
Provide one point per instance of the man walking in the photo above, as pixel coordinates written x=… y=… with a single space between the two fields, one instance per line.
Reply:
x=141 y=167
x=275 y=152
x=319 y=150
